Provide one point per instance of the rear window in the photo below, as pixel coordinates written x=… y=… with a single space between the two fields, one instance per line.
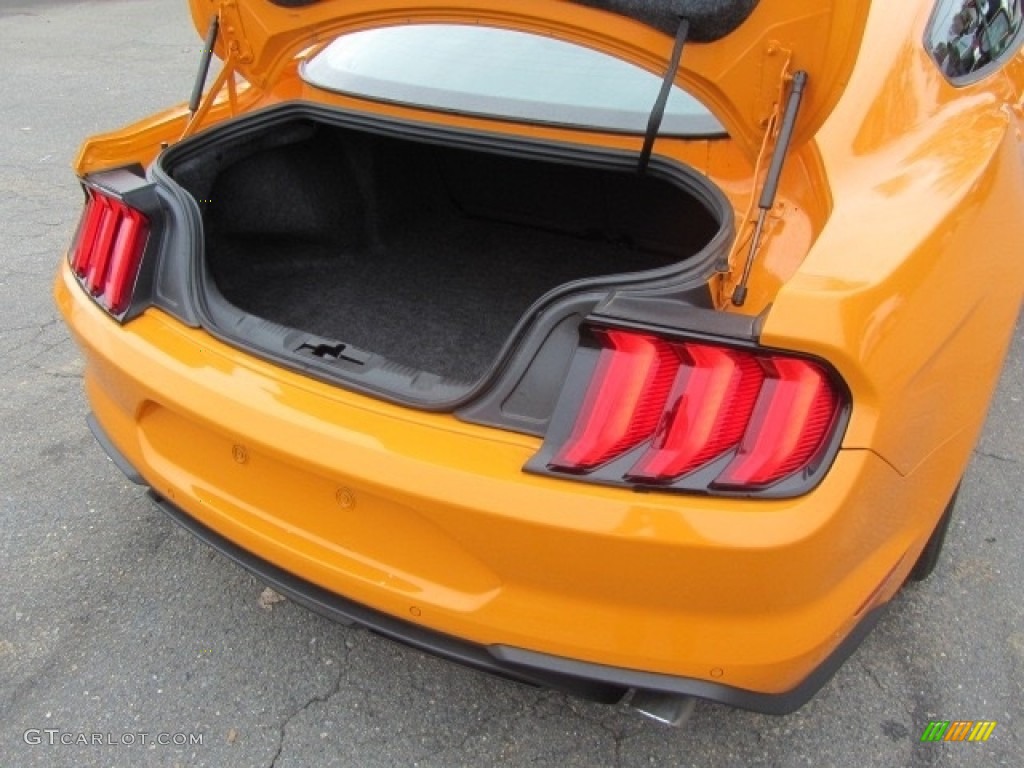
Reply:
x=500 y=73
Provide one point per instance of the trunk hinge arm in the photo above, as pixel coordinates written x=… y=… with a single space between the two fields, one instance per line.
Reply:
x=780 y=125
x=226 y=76
x=225 y=25
x=658 y=110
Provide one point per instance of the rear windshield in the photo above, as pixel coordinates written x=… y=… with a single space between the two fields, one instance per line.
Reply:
x=502 y=73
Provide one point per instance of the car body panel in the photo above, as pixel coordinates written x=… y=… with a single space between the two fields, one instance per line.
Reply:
x=738 y=76
x=892 y=252
x=309 y=484
x=917 y=361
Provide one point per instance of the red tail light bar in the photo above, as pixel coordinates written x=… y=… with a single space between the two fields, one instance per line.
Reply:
x=696 y=415
x=108 y=249
x=634 y=375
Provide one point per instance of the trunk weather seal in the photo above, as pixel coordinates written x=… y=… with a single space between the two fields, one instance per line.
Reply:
x=693 y=270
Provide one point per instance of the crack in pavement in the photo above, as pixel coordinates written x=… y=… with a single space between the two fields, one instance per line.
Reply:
x=40 y=330
x=493 y=714
x=58 y=374
x=997 y=457
x=877 y=681
x=618 y=739
x=39 y=327
x=317 y=699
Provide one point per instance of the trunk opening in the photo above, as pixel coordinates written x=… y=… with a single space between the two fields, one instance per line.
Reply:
x=423 y=254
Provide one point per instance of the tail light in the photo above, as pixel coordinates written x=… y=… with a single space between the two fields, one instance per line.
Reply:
x=695 y=415
x=635 y=374
x=108 y=248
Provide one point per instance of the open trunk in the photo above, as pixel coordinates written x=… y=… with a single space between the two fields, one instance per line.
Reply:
x=424 y=255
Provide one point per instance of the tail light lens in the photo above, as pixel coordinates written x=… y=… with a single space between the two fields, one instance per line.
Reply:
x=108 y=249
x=794 y=411
x=635 y=374
x=700 y=416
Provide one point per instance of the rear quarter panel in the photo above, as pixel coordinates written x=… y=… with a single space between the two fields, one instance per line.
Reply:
x=914 y=284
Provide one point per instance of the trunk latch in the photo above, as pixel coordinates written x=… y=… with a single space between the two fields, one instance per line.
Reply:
x=333 y=352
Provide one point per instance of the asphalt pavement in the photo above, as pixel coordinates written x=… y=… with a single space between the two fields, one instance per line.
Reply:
x=119 y=630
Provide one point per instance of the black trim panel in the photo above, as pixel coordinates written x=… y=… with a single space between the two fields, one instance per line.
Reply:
x=765 y=703
x=113 y=454
x=711 y=19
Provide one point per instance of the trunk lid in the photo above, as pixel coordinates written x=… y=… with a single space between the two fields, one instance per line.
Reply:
x=735 y=61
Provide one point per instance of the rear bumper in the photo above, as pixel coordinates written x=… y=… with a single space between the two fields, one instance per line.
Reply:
x=593 y=681
x=426 y=529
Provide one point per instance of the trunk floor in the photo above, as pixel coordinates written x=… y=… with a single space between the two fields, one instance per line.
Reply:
x=443 y=302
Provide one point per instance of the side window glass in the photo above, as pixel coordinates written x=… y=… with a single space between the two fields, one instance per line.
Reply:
x=969 y=38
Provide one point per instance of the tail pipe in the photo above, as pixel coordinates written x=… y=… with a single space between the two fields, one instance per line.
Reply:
x=666 y=708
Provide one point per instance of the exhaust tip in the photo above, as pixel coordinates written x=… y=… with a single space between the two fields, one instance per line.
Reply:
x=666 y=708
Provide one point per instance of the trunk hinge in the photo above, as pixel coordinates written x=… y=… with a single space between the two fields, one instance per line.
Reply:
x=658 y=110
x=778 y=134
x=235 y=41
x=226 y=26
x=775 y=76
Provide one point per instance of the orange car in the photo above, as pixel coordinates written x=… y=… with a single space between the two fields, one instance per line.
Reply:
x=626 y=347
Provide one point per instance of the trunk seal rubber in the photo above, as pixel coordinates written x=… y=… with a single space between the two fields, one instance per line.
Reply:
x=694 y=270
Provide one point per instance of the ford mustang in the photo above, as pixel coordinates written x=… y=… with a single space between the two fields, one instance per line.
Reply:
x=634 y=348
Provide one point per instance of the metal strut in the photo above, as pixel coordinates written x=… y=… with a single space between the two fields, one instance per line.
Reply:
x=658 y=111
x=204 y=65
x=771 y=184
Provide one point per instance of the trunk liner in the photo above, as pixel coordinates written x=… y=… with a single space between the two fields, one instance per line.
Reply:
x=430 y=300
x=426 y=255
